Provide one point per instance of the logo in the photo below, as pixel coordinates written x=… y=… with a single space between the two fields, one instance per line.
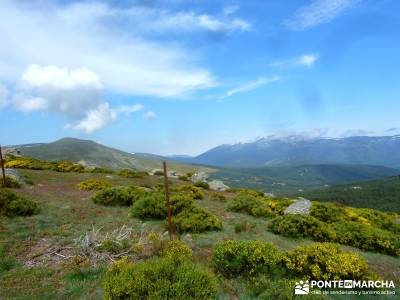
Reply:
x=302 y=288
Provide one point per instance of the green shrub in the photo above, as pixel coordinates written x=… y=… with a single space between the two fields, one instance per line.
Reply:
x=131 y=173
x=159 y=173
x=367 y=237
x=67 y=166
x=151 y=206
x=183 y=178
x=189 y=190
x=325 y=261
x=13 y=205
x=93 y=185
x=302 y=226
x=177 y=250
x=218 y=197
x=244 y=226
x=236 y=258
x=159 y=278
x=202 y=184
x=124 y=196
x=11 y=182
x=20 y=162
x=195 y=219
x=327 y=212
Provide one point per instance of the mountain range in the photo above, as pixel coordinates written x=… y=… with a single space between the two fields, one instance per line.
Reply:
x=298 y=151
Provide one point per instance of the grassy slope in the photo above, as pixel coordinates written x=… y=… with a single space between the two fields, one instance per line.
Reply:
x=286 y=180
x=66 y=213
x=91 y=153
x=381 y=194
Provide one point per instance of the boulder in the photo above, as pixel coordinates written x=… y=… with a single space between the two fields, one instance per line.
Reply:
x=201 y=176
x=218 y=185
x=302 y=206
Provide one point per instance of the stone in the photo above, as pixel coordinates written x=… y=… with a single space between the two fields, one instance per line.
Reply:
x=302 y=206
x=201 y=176
x=218 y=185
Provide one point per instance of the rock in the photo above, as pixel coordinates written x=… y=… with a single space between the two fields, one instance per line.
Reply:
x=302 y=206
x=218 y=185
x=15 y=175
x=201 y=176
x=270 y=195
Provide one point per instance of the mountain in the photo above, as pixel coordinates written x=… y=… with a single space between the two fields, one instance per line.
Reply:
x=383 y=194
x=290 y=180
x=297 y=151
x=89 y=153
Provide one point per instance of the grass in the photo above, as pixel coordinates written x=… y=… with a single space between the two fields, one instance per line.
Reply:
x=67 y=212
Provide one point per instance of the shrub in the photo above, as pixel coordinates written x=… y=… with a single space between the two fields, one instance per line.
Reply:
x=11 y=182
x=13 y=205
x=244 y=226
x=195 y=219
x=235 y=258
x=93 y=184
x=325 y=261
x=367 y=237
x=178 y=250
x=218 y=197
x=159 y=278
x=151 y=206
x=159 y=173
x=302 y=226
x=124 y=196
x=190 y=190
x=131 y=173
x=183 y=178
x=102 y=171
x=202 y=184
x=67 y=166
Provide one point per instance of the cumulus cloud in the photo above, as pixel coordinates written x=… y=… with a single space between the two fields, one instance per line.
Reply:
x=252 y=85
x=318 y=12
x=306 y=60
x=76 y=94
x=3 y=96
x=89 y=35
x=149 y=115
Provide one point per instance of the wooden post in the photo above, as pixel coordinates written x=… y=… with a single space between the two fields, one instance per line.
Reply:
x=167 y=202
x=2 y=168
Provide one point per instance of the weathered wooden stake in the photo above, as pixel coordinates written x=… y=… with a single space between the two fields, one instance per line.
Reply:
x=167 y=202
x=2 y=168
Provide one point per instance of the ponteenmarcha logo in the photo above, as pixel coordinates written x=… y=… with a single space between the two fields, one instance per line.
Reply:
x=302 y=288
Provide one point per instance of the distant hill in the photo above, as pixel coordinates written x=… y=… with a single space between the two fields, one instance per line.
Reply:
x=289 y=180
x=297 y=151
x=89 y=153
x=381 y=194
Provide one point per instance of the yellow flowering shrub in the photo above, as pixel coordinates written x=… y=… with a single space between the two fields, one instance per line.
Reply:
x=93 y=184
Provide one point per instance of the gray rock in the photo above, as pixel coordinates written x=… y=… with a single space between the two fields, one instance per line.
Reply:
x=218 y=185
x=201 y=176
x=15 y=175
x=302 y=206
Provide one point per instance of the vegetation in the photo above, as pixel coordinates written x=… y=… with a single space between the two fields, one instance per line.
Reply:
x=381 y=194
x=102 y=170
x=13 y=205
x=11 y=182
x=20 y=162
x=132 y=174
x=123 y=196
x=159 y=278
x=93 y=185
x=202 y=184
x=189 y=190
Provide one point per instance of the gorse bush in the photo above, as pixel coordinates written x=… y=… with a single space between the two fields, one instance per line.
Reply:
x=67 y=166
x=202 y=184
x=131 y=173
x=150 y=206
x=218 y=197
x=159 y=278
x=325 y=261
x=177 y=250
x=19 y=162
x=189 y=190
x=300 y=226
x=123 y=196
x=195 y=219
x=93 y=185
x=13 y=205
x=235 y=258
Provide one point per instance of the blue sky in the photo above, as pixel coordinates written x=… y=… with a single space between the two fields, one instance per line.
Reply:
x=179 y=77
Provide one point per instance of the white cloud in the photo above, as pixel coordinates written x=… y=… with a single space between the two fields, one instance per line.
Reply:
x=3 y=96
x=109 y=42
x=252 y=85
x=318 y=12
x=306 y=60
x=76 y=94
x=149 y=115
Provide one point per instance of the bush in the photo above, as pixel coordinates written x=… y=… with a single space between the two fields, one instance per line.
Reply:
x=236 y=258
x=151 y=206
x=202 y=184
x=178 y=250
x=218 y=197
x=93 y=184
x=159 y=173
x=11 y=182
x=195 y=219
x=67 y=166
x=300 y=226
x=13 y=205
x=20 y=162
x=131 y=173
x=190 y=190
x=325 y=261
x=159 y=278
x=367 y=237
x=124 y=196
x=183 y=178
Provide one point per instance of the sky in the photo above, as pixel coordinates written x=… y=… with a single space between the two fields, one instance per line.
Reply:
x=183 y=76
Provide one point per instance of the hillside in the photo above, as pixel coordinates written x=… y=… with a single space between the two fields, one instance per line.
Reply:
x=296 y=151
x=284 y=180
x=381 y=194
x=89 y=153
